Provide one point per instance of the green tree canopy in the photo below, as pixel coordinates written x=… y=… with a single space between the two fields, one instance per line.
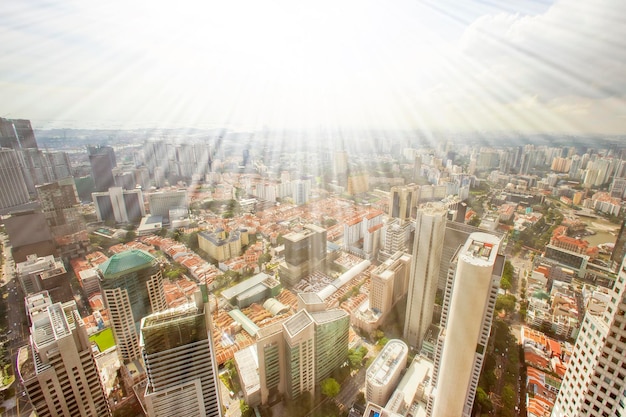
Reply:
x=330 y=387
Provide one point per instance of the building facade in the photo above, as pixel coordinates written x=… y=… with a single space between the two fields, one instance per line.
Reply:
x=430 y=228
x=180 y=362
x=119 y=205
x=58 y=369
x=13 y=189
x=132 y=287
x=102 y=160
x=466 y=319
x=594 y=383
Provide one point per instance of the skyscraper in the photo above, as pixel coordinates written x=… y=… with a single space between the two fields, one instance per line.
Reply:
x=427 y=248
x=58 y=369
x=466 y=322
x=132 y=285
x=13 y=190
x=619 y=250
x=299 y=332
x=595 y=380
x=102 y=160
x=180 y=361
x=403 y=199
x=17 y=134
x=297 y=355
x=60 y=204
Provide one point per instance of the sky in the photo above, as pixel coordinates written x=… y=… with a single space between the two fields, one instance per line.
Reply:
x=523 y=66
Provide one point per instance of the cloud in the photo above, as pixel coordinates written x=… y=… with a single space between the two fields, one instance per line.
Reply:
x=353 y=63
x=575 y=48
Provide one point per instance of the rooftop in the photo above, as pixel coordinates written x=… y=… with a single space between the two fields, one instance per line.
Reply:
x=480 y=249
x=125 y=262
x=298 y=322
x=385 y=365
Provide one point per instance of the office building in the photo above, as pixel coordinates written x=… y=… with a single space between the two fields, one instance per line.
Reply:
x=331 y=341
x=182 y=374
x=132 y=286
x=619 y=249
x=384 y=373
x=29 y=233
x=44 y=273
x=389 y=283
x=17 y=134
x=305 y=251
x=595 y=383
x=119 y=205
x=58 y=369
x=427 y=250
x=297 y=355
x=102 y=160
x=162 y=202
x=13 y=189
x=473 y=283
x=61 y=207
x=403 y=200
x=270 y=348
x=299 y=332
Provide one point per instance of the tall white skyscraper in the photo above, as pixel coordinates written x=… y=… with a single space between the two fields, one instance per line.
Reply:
x=466 y=322
x=180 y=364
x=430 y=227
x=595 y=381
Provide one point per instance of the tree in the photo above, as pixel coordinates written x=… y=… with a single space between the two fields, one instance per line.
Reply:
x=508 y=396
x=246 y=411
x=505 y=302
x=330 y=387
x=483 y=400
x=474 y=221
x=505 y=284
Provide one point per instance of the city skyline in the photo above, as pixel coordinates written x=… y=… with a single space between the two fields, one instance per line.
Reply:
x=528 y=66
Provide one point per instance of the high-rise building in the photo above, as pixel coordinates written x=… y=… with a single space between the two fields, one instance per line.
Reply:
x=389 y=283
x=595 y=380
x=13 y=189
x=619 y=249
x=304 y=251
x=16 y=134
x=430 y=229
x=180 y=361
x=29 y=233
x=301 y=191
x=58 y=369
x=340 y=162
x=469 y=302
x=331 y=341
x=402 y=201
x=119 y=205
x=297 y=355
x=61 y=207
x=102 y=160
x=299 y=332
x=132 y=285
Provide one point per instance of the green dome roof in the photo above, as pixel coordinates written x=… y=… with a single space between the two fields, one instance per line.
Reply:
x=126 y=262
